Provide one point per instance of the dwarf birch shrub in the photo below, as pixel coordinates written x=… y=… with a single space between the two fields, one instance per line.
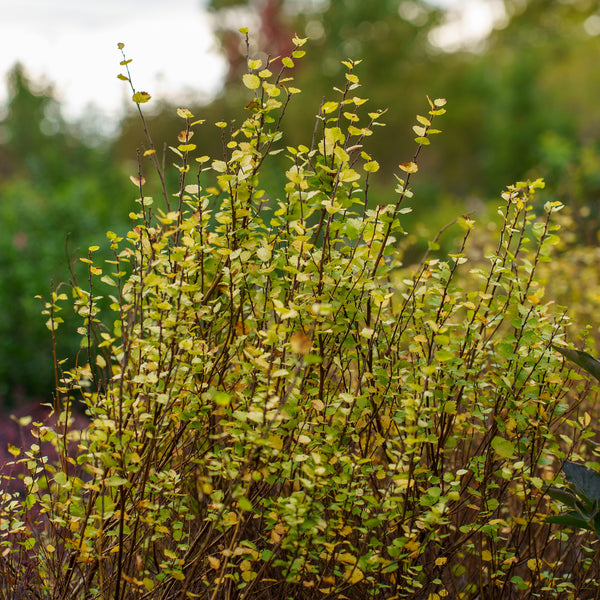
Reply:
x=283 y=411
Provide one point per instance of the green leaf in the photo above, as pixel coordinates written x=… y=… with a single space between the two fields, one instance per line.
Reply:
x=443 y=355
x=115 y=480
x=585 y=481
x=245 y=504
x=582 y=359
x=562 y=495
x=60 y=478
x=568 y=521
x=504 y=448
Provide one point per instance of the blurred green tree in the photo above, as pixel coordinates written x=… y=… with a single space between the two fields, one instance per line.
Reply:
x=533 y=77
x=53 y=186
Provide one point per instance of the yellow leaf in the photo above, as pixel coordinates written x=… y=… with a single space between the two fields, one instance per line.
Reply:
x=299 y=41
x=141 y=97
x=317 y=404
x=353 y=575
x=409 y=167
x=14 y=450
x=219 y=166
x=348 y=175
x=185 y=136
x=534 y=564
x=251 y=81
x=214 y=562
x=346 y=558
x=486 y=556
x=329 y=107
x=371 y=167
x=230 y=519
x=184 y=113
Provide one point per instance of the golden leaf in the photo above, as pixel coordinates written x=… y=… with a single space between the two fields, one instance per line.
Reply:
x=141 y=97
x=409 y=167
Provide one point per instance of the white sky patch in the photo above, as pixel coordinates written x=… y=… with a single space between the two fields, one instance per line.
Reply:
x=73 y=44
x=468 y=23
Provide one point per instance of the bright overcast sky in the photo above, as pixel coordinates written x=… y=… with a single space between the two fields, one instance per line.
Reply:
x=73 y=44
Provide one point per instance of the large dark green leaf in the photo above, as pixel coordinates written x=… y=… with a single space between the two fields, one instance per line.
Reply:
x=585 y=481
x=562 y=495
x=569 y=520
x=582 y=359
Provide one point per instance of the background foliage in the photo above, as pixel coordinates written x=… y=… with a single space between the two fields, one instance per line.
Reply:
x=524 y=104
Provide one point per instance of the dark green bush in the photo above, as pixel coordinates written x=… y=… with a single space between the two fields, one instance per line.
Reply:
x=53 y=184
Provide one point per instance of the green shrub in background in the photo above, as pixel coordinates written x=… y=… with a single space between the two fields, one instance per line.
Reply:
x=43 y=232
x=53 y=184
x=282 y=411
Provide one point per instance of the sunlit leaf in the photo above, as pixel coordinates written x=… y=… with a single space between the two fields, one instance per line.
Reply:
x=184 y=113
x=141 y=97
x=251 y=81
x=371 y=166
x=409 y=167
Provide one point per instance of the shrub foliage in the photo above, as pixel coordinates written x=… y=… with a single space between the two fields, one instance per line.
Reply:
x=282 y=410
